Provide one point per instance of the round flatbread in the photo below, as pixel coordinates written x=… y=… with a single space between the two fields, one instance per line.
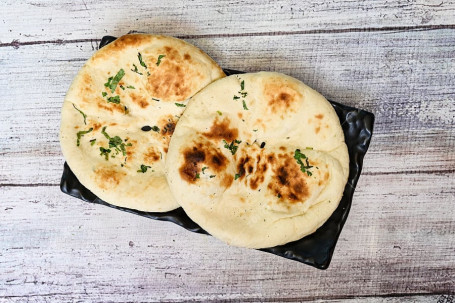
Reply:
x=120 y=112
x=258 y=160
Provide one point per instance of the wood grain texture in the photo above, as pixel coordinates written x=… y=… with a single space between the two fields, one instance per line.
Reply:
x=398 y=242
x=394 y=58
x=46 y=21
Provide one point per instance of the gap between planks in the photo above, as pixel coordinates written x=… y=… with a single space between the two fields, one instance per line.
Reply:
x=411 y=172
x=16 y=43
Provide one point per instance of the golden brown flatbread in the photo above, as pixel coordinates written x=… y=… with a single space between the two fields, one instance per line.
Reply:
x=258 y=160
x=120 y=112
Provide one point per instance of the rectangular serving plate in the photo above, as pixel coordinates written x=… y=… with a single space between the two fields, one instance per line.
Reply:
x=315 y=249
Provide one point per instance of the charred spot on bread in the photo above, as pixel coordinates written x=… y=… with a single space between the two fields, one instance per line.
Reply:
x=281 y=95
x=221 y=130
x=202 y=153
x=288 y=180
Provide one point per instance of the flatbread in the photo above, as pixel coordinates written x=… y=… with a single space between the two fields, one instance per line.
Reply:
x=120 y=112
x=258 y=160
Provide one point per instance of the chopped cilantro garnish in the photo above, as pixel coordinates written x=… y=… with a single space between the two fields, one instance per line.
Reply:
x=157 y=100
x=103 y=131
x=115 y=100
x=212 y=176
x=130 y=86
x=219 y=113
x=180 y=105
x=244 y=105
x=236 y=176
x=232 y=147
x=105 y=152
x=82 y=133
x=104 y=94
x=136 y=70
x=116 y=142
x=92 y=142
x=122 y=87
x=304 y=167
x=156 y=129
x=109 y=81
x=143 y=168
x=197 y=176
x=158 y=62
x=255 y=130
x=139 y=56
x=112 y=82
x=309 y=148
x=242 y=93
x=203 y=169
x=82 y=113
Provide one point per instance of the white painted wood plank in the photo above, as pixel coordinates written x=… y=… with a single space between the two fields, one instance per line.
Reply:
x=31 y=21
x=399 y=239
x=407 y=79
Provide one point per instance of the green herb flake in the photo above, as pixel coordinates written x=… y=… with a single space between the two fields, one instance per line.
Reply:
x=109 y=81
x=180 y=105
x=236 y=97
x=82 y=113
x=112 y=82
x=131 y=87
x=232 y=147
x=242 y=85
x=219 y=113
x=197 y=176
x=92 y=142
x=310 y=148
x=104 y=94
x=105 y=152
x=156 y=129
x=304 y=167
x=103 y=131
x=143 y=168
x=136 y=70
x=255 y=130
x=139 y=56
x=236 y=176
x=115 y=100
x=122 y=87
x=212 y=176
x=203 y=169
x=157 y=100
x=116 y=142
x=158 y=62
x=244 y=105
x=80 y=134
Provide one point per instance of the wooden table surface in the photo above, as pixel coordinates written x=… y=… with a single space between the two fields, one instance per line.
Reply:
x=393 y=58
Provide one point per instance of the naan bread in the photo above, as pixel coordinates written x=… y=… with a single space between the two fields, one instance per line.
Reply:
x=120 y=112
x=258 y=160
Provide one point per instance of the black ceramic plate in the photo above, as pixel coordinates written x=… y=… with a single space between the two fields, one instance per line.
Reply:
x=316 y=249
